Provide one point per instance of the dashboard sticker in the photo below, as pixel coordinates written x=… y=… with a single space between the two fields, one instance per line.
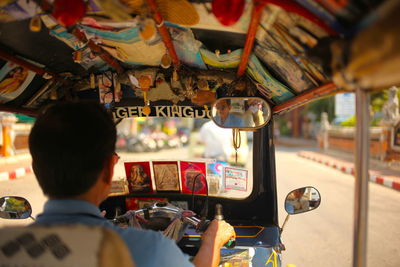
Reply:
x=235 y=178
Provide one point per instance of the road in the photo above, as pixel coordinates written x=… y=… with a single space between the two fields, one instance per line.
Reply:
x=319 y=238
x=324 y=236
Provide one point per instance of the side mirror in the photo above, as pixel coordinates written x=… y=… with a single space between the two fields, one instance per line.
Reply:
x=15 y=208
x=302 y=200
x=244 y=113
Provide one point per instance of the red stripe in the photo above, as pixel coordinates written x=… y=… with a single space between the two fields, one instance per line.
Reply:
x=396 y=185
x=379 y=180
x=12 y=175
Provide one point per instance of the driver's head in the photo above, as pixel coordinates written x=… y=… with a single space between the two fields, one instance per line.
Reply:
x=71 y=144
x=223 y=108
x=298 y=193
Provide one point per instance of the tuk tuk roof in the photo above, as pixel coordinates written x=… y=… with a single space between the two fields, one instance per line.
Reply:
x=277 y=50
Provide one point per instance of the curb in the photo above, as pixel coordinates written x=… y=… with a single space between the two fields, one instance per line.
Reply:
x=18 y=173
x=379 y=179
x=15 y=159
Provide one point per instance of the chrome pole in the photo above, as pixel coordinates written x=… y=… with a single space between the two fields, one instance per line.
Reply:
x=361 y=179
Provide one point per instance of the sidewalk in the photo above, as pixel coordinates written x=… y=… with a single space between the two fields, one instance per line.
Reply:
x=380 y=172
x=15 y=166
x=386 y=177
x=295 y=142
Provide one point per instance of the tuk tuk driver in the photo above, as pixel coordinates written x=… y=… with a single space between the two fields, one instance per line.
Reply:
x=224 y=115
x=73 y=157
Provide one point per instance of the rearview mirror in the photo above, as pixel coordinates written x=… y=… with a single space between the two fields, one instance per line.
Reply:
x=302 y=200
x=241 y=112
x=15 y=208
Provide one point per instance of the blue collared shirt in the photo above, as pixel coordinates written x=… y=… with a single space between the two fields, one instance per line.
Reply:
x=232 y=120
x=148 y=248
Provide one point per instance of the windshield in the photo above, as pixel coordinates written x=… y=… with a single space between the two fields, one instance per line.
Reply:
x=176 y=154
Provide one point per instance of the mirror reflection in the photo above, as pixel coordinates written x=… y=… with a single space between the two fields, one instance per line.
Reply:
x=15 y=208
x=302 y=200
x=240 y=112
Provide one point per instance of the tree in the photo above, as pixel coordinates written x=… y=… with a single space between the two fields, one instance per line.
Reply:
x=326 y=104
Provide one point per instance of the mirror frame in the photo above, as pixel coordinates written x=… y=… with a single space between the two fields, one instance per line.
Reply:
x=26 y=201
x=267 y=120
x=319 y=202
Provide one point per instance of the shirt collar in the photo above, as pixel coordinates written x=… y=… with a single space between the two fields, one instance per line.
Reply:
x=70 y=206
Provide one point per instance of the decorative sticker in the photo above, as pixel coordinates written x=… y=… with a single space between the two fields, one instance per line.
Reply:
x=118 y=187
x=106 y=92
x=138 y=175
x=273 y=259
x=193 y=173
x=117 y=88
x=166 y=175
x=235 y=179
x=14 y=79
x=162 y=111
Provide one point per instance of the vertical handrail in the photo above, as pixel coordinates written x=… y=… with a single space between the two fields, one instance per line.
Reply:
x=361 y=179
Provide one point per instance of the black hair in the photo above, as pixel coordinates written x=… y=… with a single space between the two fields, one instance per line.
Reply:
x=70 y=144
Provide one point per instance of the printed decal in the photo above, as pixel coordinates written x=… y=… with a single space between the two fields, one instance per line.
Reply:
x=162 y=111
x=235 y=179
x=273 y=259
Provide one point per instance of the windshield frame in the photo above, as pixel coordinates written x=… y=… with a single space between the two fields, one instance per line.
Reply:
x=259 y=208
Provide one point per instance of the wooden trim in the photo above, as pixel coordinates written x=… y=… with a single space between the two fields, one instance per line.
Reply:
x=98 y=50
x=162 y=29
x=305 y=97
x=23 y=63
x=251 y=36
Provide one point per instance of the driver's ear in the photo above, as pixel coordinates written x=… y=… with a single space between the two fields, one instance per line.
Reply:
x=109 y=170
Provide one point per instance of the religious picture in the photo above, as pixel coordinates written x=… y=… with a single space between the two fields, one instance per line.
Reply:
x=166 y=175
x=139 y=177
x=14 y=79
x=193 y=176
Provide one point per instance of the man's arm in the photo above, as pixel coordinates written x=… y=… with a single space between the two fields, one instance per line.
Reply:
x=217 y=234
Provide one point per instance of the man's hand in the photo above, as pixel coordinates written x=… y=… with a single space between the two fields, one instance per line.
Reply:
x=218 y=233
